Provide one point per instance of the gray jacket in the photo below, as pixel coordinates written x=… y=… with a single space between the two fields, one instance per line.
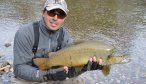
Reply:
x=23 y=44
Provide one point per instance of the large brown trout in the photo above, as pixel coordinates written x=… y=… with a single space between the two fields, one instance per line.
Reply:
x=78 y=55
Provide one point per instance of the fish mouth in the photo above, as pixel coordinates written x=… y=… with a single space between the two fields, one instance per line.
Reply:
x=125 y=59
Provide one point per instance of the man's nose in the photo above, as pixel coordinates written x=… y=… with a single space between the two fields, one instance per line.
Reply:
x=55 y=17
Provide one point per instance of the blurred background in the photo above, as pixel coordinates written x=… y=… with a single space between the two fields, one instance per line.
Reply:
x=121 y=23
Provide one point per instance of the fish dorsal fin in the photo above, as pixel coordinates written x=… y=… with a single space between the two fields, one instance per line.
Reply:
x=106 y=70
x=78 y=42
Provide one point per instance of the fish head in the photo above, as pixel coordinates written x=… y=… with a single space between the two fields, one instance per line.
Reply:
x=122 y=59
x=118 y=59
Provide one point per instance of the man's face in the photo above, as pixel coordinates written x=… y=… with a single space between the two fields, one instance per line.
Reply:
x=54 y=18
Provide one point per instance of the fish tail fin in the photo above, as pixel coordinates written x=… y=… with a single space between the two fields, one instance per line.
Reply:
x=41 y=63
x=106 y=70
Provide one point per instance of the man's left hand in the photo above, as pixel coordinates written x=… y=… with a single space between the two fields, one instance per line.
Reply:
x=93 y=65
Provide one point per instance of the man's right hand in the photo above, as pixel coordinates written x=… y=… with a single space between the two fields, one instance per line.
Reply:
x=64 y=74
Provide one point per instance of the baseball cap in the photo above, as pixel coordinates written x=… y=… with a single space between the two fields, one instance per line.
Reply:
x=54 y=4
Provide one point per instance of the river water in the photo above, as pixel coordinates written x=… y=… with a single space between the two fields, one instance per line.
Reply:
x=121 y=23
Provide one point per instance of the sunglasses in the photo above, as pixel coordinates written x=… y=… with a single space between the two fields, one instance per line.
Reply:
x=60 y=14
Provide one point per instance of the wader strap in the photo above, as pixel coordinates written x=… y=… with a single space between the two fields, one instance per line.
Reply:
x=36 y=34
x=60 y=39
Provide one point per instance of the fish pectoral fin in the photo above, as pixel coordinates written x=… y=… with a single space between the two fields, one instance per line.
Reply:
x=78 y=69
x=41 y=63
x=106 y=70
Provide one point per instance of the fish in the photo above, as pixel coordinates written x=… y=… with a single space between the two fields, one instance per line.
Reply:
x=77 y=55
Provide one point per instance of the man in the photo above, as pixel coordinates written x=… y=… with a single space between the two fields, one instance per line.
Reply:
x=50 y=30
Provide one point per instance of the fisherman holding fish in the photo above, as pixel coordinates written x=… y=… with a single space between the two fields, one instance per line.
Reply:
x=52 y=37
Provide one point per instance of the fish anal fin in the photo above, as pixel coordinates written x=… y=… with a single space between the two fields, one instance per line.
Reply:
x=106 y=70
x=41 y=63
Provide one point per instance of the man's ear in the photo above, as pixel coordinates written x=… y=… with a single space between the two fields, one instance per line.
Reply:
x=43 y=12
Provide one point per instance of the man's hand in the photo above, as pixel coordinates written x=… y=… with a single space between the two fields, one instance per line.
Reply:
x=55 y=74
x=70 y=71
x=65 y=69
x=60 y=74
x=93 y=64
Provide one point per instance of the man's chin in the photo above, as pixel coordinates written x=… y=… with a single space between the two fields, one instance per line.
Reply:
x=54 y=29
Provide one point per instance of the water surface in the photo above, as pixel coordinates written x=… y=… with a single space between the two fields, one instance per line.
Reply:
x=121 y=23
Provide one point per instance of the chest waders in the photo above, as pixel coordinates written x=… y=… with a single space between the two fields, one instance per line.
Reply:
x=36 y=34
x=36 y=39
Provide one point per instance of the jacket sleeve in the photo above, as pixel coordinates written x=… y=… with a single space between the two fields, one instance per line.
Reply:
x=23 y=57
